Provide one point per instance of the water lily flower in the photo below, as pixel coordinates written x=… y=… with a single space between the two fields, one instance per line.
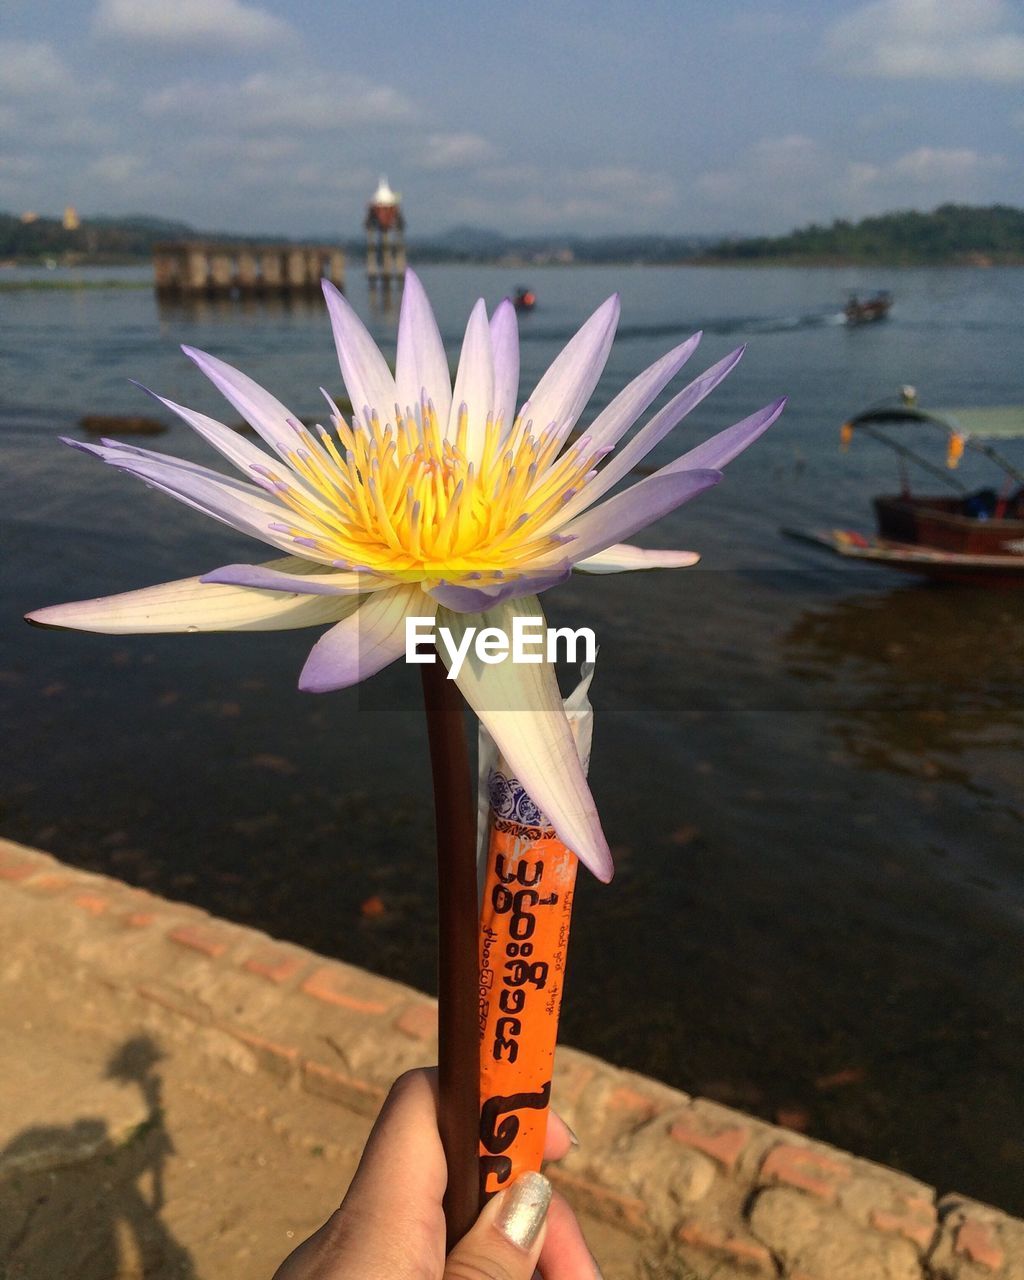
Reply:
x=431 y=502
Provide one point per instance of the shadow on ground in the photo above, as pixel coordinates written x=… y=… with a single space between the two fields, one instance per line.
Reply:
x=76 y=1202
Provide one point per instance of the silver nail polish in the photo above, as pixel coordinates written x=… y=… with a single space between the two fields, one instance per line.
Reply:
x=523 y=1209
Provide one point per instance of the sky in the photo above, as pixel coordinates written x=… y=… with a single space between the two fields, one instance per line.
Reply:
x=561 y=117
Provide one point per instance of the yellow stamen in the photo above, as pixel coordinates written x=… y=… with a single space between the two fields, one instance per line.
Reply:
x=401 y=499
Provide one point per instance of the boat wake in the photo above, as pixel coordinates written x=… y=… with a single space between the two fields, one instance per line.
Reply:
x=724 y=326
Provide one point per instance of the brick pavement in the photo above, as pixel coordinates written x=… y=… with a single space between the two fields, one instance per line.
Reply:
x=185 y=1097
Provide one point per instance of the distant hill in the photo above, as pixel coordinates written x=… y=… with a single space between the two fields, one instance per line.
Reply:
x=468 y=240
x=477 y=244
x=104 y=240
x=949 y=235
x=97 y=240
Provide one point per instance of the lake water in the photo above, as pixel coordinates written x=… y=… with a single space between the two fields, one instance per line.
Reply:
x=810 y=770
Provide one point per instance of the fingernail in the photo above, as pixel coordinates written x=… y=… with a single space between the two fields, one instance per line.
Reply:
x=572 y=1136
x=523 y=1209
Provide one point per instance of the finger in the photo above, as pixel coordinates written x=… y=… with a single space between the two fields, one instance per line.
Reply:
x=505 y=1241
x=404 y=1148
x=559 y=1139
x=390 y=1222
x=564 y=1255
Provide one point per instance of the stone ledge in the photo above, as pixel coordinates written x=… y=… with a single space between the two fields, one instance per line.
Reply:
x=717 y=1189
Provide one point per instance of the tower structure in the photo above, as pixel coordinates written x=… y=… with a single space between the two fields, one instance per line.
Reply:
x=385 y=238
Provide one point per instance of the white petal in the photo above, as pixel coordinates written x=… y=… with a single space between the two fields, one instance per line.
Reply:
x=636 y=449
x=614 y=421
x=722 y=448
x=241 y=506
x=522 y=708
x=191 y=605
x=231 y=444
x=315 y=583
x=364 y=642
x=628 y=512
x=623 y=558
x=474 y=382
x=563 y=392
x=505 y=346
x=367 y=377
x=266 y=414
x=420 y=362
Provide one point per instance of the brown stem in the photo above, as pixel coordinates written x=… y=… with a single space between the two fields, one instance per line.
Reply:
x=457 y=951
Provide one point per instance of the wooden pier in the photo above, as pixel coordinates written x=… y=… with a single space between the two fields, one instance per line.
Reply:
x=222 y=269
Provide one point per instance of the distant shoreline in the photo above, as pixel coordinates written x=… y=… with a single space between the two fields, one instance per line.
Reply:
x=9 y=283
x=980 y=263
x=951 y=235
x=47 y=286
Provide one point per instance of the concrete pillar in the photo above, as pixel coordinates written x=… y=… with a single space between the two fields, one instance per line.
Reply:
x=197 y=269
x=247 y=275
x=398 y=261
x=222 y=271
x=295 y=268
x=167 y=271
x=372 y=259
x=315 y=268
x=225 y=269
x=270 y=269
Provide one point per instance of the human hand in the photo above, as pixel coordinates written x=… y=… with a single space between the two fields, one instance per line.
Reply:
x=390 y=1226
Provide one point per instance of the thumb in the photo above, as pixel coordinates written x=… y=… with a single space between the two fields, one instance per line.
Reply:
x=505 y=1241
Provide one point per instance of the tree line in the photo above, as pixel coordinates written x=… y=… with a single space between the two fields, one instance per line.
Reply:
x=950 y=234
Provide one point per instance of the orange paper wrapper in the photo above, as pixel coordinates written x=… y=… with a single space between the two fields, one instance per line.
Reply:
x=528 y=885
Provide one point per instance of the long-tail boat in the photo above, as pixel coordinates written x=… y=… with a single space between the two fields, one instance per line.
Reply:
x=968 y=535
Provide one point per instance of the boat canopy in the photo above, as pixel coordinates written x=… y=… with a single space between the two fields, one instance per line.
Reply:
x=965 y=429
x=1003 y=422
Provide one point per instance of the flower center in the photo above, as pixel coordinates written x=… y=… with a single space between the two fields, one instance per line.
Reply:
x=401 y=499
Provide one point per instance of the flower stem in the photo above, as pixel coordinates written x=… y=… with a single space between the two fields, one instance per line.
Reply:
x=458 y=943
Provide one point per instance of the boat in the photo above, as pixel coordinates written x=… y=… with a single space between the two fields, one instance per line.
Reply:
x=876 y=307
x=969 y=535
x=524 y=299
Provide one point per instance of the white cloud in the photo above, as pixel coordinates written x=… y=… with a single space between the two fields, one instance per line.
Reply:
x=929 y=40
x=638 y=187
x=42 y=103
x=453 y=151
x=118 y=168
x=30 y=68
x=787 y=164
x=228 y=25
x=17 y=167
x=315 y=101
x=796 y=178
x=596 y=196
x=957 y=168
x=220 y=147
x=270 y=168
